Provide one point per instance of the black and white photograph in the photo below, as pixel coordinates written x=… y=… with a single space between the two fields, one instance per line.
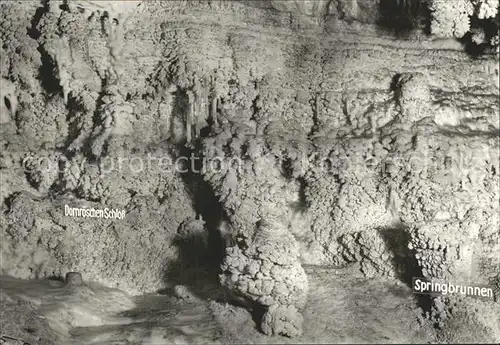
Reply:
x=249 y=172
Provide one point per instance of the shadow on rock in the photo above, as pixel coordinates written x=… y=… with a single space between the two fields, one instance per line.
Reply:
x=193 y=276
x=404 y=261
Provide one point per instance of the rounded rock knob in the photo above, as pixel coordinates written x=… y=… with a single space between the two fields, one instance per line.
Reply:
x=74 y=278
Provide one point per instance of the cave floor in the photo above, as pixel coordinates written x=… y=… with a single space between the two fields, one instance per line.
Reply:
x=343 y=307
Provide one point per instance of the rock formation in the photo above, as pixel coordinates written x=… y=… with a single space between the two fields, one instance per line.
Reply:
x=326 y=139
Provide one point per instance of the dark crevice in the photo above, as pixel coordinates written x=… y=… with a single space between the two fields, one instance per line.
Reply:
x=405 y=262
x=205 y=131
x=48 y=72
x=255 y=108
x=64 y=7
x=104 y=18
x=402 y=17
x=33 y=31
x=8 y=200
x=206 y=204
x=257 y=313
x=286 y=168
x=301 y=205
x=7 y=104
x=96 y=121
x=74 y=108
x=199 y=261
x=489 y=27
x=395 y=83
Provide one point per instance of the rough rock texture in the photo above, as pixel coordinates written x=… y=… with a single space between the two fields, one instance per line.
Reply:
x=53 y=155
x=282 y=320
x=466 y=319
x=20 y=315
x=267 y=272
x=325 y=139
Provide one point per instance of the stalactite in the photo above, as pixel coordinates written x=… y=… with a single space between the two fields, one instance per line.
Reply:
x=207 y=106
x=166 y=109
x=189 y=118
x=203 y=112
x=115 y=44
x=204 y=104
x=197 y=113
x=317 y=102
x=214 y=109
x=64 y=78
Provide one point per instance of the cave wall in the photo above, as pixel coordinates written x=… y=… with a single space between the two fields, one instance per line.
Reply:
x=407 y=129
